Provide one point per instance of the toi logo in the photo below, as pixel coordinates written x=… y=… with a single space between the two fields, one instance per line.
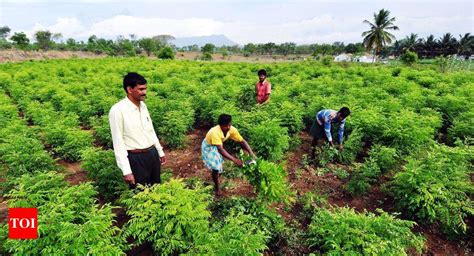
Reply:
x=23 y=223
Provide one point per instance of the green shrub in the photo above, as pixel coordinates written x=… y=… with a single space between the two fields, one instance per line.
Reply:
x=436 y=187
x=174 y=125
x=409 y=58
x=342 y=231
x=69 y=221
x=352 y=146
x=68 y=142
x=168 y=215
x=462 y=126
x=166 y=53
x=101 y=127
x=24 y=155
x=327 y=60
x=268 y=139
x=101 y=167
x=237 y=235
x=363 y=176
x=206 y=56
x=269 y=180
x=385 y=157
x=266 y=218
x=290 y=115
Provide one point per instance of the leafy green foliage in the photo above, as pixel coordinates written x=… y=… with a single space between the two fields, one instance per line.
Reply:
x=352 y=146
x=24 y=155
x=102 y=168
x=102 y=130
x=269 y=180
x=68 y=143
x=266 y=219
x=69 y=221
x=380 y=160
x=165 y=53
x=174 y=126
x=435 y=187
x=342 y=231
x=462 y=126
x=409 y=58
x=268 y=139
x=238 y=234
x=168 y=215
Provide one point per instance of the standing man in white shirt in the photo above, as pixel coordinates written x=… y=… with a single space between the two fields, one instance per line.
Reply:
x=137 y=149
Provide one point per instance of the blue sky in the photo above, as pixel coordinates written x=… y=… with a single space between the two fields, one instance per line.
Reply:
x=242 y=21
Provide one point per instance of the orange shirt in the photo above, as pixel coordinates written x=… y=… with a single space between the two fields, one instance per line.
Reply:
x=262 y=90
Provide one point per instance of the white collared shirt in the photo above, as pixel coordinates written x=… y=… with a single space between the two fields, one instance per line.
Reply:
x=131 y=128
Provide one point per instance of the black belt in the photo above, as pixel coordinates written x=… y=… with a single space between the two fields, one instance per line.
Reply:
x=138 y=151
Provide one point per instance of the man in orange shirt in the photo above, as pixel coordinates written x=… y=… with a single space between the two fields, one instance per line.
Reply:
x=263 y=88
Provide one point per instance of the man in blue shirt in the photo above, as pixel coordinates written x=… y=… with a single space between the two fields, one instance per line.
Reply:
x=321 y=128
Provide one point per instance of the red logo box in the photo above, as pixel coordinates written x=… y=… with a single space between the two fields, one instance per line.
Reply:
x=23 y=223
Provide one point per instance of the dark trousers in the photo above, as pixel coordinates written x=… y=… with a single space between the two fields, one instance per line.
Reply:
x=146 y=167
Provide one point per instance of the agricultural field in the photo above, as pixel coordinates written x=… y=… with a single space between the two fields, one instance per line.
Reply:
x=402 y=185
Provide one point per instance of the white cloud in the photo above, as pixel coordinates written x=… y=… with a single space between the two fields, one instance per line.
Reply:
x=320 y=29
x=146 y=27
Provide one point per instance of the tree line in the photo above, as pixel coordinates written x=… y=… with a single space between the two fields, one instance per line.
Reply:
x=429 y=47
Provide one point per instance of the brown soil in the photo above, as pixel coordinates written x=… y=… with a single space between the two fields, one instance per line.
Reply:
x=74 y=174
x=13 y=55
x=17 y=56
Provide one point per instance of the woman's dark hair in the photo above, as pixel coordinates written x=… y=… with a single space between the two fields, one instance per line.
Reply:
x=262 y=72
x=345 y=112
x=133 y=79
x=224 y=119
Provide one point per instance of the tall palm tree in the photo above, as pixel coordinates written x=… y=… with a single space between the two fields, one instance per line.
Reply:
x=377 y=36
x=411 y=42
x=466 y=45
x=448 y=44
x=430 y=46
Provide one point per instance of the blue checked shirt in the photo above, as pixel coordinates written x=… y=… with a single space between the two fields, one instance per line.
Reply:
x=327 y=117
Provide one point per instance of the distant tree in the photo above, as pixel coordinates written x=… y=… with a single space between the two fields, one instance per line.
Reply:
x=323 y=49
x=286 y=48
x=164 y=39
x=56 y=37
x=354 y=48
x=466 y=45
x=429 y=47
x=20 y=40
x=208 y=48
x=249 y=49
x=224 y=52
x=43 y=39
x=125 y=47
x=411 y=42
x=378 y=36
x=192 y=48
x=71 y=44
x=4 y=31
x=149 y=45
x=448 y=44
x=338 y=47
x=269 y=48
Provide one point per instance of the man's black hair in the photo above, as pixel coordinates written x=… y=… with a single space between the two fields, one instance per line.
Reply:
x=345 y=112
x=262 y=72
x=224 y=119
x=133 y=79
